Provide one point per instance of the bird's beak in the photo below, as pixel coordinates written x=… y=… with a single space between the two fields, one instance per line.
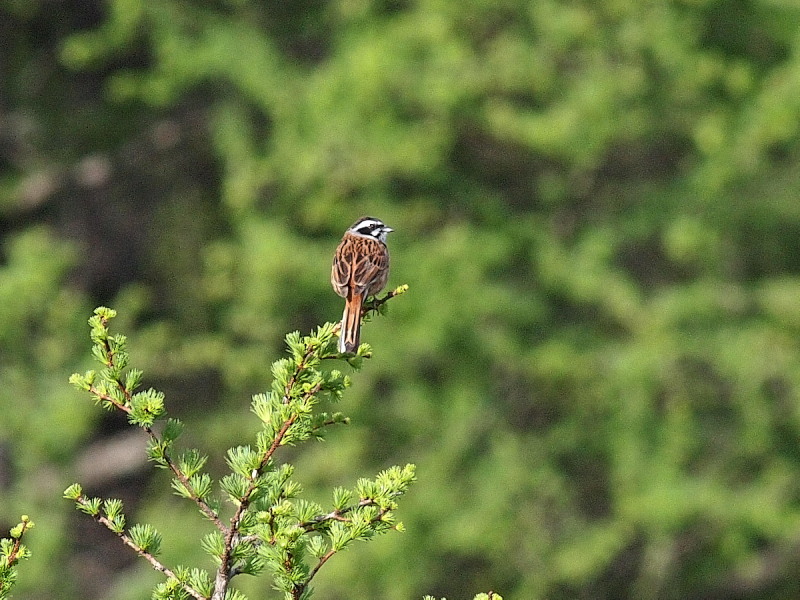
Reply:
x=387 y=229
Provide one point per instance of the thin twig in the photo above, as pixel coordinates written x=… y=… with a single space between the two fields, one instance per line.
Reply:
x=337 y=515
x=328 y=423
x=204 y=507
x=323 y=559
x=156 y=564
x=94 y=391
x=287 y=390
x=209 y=512
x=298 y=590
x=372 y=305
x=376 y=303
x=13 y=555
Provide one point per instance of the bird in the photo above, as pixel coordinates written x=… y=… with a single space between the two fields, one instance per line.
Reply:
x=360 y=269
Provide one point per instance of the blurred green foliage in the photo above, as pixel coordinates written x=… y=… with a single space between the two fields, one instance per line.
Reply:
x=596 y=369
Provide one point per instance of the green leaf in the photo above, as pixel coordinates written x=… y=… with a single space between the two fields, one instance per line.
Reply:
x=156 y=452
x=202 y=485
x=201 y=581
x=146 y=538
x=235 y=486
x=234 y=594
x=305 y=510
x=191 y=461
x=243 y=460
x=91 y=506
x=172 y=430
x=73 y=492
x=112 y=507
x=24 y=525
x=104 y=313
x=82 y=382
x=180 y=489
x=213 y=544
x=342 y=497
x=146 y=407
x=317 y=547
x=339 y=536
x=113 y=512
x=133 y=379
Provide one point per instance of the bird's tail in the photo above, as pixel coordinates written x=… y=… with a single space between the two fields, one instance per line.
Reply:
x=350 y=333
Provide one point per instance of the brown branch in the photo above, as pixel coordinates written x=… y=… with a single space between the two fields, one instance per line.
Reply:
x=124 y=408
x=224 y=571
x=287 y=389
x=13 y=555
x=204 y=507
x=298 y=590
x=330 y=422
x=339 y=515
x=209 y=512
x=179 y=475
x=154 y=562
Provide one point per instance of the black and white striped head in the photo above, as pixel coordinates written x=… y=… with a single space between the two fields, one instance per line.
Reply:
x=370 y=227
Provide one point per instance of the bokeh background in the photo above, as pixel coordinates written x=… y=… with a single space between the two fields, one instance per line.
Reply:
x=597 y=209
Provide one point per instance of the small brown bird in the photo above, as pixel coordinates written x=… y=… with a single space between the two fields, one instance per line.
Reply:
x=360 y=269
